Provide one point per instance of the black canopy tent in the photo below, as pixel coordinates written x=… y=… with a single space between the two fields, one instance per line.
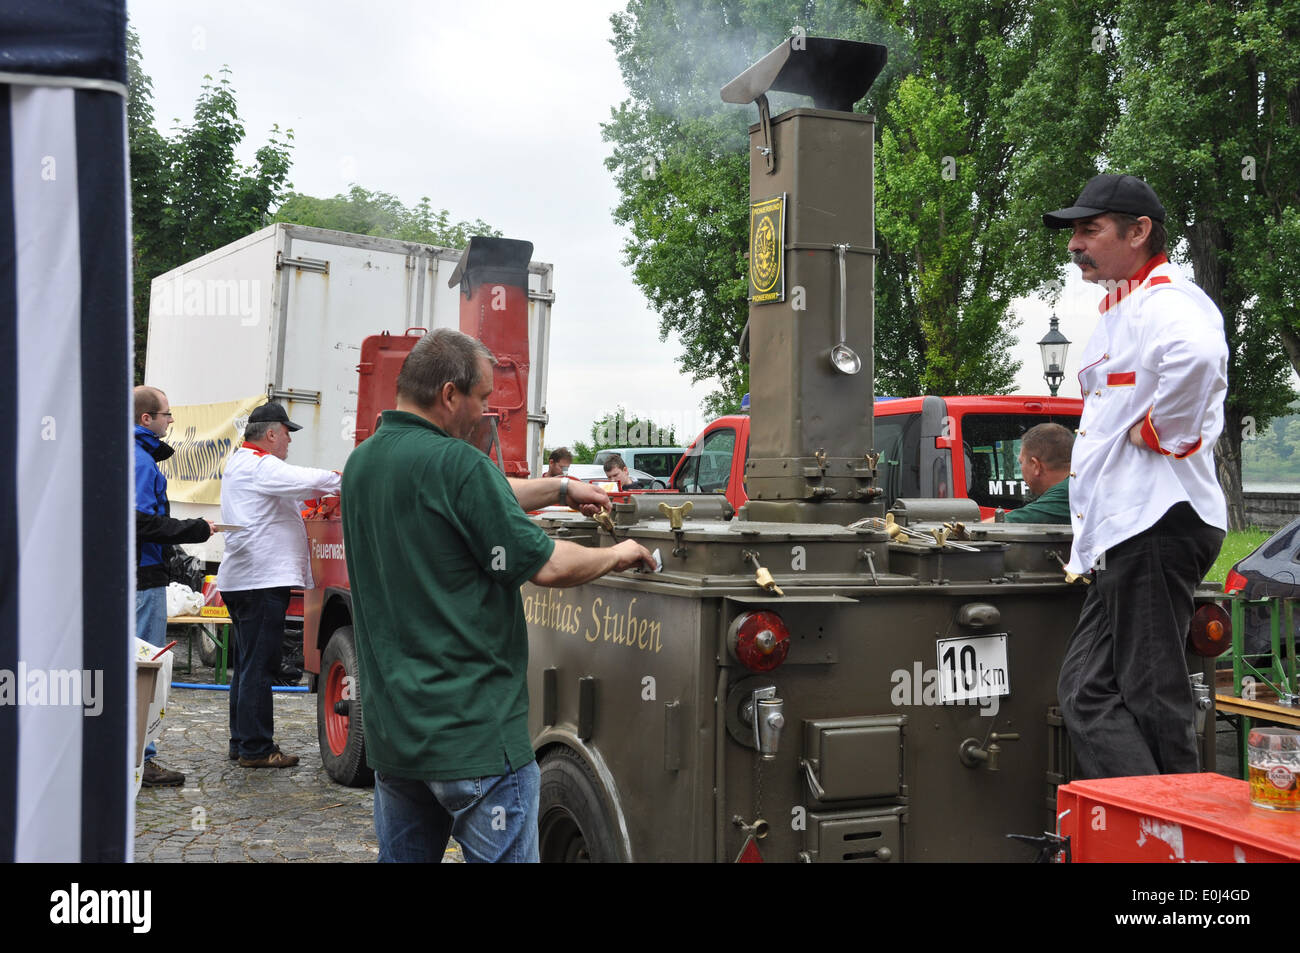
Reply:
x=66 y=530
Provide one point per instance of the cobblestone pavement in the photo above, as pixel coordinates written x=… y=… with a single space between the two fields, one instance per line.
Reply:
x=228 y=813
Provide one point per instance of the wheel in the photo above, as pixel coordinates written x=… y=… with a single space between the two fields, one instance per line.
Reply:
x=342 y=733
x=209 y=651
x=572 y=822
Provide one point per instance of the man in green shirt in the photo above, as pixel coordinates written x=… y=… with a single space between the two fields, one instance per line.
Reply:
x=437 y=543
x=1045 y=468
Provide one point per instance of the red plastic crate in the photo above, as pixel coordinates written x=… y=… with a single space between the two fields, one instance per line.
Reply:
x=1173 y=818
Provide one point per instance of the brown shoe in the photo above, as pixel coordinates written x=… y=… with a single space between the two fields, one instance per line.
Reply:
x=156 y=776
x=276 y=759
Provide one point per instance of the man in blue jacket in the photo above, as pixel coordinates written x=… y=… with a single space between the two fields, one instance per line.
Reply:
x=155 y=529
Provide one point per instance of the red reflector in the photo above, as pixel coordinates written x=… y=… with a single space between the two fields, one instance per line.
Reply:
x=1235 y=583
x=759 y=640
x=1210 y=633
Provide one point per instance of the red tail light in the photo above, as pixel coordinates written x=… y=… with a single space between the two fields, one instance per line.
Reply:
x=759 y=640
x=1235 y=582
x=1210 y=633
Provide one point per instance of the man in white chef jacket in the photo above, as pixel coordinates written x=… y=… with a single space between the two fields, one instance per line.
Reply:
x=1145 y=504
x=264 y=559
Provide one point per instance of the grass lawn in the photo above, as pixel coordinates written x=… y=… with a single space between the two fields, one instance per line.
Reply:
x=1237 y=544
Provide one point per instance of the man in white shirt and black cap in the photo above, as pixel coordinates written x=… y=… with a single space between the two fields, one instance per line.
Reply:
x=1145 y=503
x=264 y=559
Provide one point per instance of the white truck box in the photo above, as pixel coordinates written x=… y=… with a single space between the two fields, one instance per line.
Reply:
x=283 y=311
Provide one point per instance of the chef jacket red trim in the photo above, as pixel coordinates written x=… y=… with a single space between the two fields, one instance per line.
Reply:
x=257 y=450
x=1152 y=440
x=1122 y=288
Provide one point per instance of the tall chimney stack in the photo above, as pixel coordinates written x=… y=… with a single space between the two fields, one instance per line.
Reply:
x=811 y=274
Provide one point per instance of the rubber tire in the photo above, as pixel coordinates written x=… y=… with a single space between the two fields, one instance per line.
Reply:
x=209 y=651
x=348 y=767
x=573 y=823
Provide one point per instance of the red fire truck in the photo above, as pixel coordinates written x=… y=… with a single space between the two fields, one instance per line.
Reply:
x=930 y=447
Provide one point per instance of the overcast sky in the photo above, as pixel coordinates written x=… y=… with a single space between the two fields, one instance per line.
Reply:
x=493 y=111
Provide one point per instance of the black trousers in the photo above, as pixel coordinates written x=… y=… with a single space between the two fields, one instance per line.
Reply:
x=1124 y=687
x=257 y=616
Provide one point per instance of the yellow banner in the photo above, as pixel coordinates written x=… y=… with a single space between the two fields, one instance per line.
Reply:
x=204 y=436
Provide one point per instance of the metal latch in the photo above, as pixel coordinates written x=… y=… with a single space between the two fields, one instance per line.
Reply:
x=302 y=264
x=1052 y=847
x=605 y=521
x=768 y=149
x=1201 y=692
x=766 y=715
x=296 y=395
x=762 y=576
x=1069 y=576
x=810 y=771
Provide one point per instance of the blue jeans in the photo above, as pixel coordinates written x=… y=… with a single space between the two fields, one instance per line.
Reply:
x=494 y=819
x=151 y=625
x=257 y=619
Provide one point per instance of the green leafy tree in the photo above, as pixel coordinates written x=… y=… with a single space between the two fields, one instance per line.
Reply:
x=617 y=429
x=1212 y=121
x=189 y=195
x=382 y=215
x=957 y=244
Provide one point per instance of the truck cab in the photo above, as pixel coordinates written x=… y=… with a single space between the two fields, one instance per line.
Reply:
x=930 y=447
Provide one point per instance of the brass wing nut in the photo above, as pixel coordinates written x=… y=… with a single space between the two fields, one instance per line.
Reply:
x=676 y=514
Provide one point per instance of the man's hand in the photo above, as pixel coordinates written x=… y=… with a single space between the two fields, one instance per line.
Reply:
x=212 y=527
x=587 y=498
x=630 y=554
x=1135 y=436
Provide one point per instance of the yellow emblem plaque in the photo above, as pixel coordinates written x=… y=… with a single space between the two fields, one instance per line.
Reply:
x=767 y=250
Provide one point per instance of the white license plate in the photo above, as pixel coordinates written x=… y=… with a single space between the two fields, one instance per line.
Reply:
x=971 y=669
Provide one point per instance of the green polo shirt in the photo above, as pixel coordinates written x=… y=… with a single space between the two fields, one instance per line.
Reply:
x=437 y=547
x=1052 y=507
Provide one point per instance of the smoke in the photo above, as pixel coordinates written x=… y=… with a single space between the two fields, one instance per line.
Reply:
x=677 y=56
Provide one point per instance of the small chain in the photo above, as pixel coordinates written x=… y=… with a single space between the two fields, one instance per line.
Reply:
x=758 y=788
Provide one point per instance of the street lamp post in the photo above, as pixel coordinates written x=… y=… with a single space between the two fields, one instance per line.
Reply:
x=1053 y=346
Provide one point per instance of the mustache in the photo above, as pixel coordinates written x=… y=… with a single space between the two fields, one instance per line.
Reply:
x=1082 y=258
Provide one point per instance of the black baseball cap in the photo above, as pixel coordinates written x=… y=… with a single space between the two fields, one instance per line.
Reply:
x=1109 y=193
x=272 y=413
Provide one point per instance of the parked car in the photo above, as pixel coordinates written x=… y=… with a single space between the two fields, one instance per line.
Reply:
x=659 y=462
x=595 y=473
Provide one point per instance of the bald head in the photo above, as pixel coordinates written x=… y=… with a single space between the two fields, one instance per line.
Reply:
x=1045 y=456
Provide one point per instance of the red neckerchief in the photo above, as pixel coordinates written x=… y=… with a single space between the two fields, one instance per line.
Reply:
x=257 y=450
x=1122 y=289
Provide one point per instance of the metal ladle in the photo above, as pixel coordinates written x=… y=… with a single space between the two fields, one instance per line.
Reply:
x=843 y=358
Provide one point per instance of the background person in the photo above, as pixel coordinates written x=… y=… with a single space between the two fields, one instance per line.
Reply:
x=438 y=543
x=263 y=561
x=1045 y=468
x=559 y=462
x=154 y=530
x=617 y=470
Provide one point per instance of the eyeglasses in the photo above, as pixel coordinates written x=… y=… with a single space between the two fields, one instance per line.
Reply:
x=163 y=413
